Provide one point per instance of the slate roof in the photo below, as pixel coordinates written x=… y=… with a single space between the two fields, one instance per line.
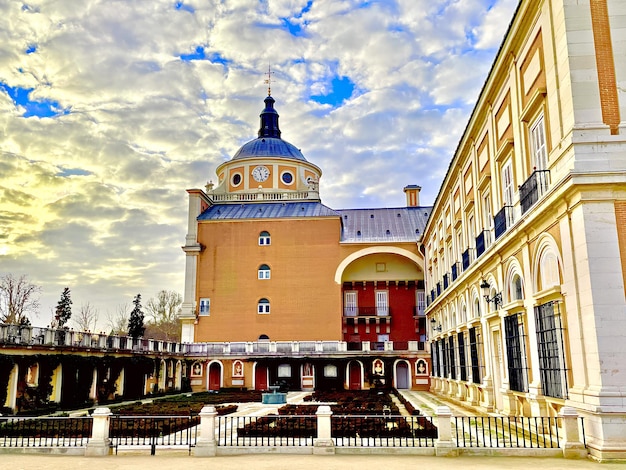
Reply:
x=404 y=224
x=267 y=211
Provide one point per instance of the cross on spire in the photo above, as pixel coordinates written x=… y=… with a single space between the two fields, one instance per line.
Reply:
x=268 y=80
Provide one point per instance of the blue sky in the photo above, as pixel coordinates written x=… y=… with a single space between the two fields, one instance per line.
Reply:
x=112 y=108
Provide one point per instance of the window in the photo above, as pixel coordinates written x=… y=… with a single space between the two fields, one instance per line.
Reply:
x=451 y=351
x=264 y=306
x=461 y=353
x=516 y=353
x=286 y=177
x=236 y=179
x=350 y=308
x=284 y=370
x=476 y=308
x=487 y=218
x=264 y=238
x=421 y=302
x=517 y=292
x=549 y=270
x=550 y=345
x=264 y=271
x=330 y=371
x=474 y=338
x=205 y=307
x=507 y=183
x=382 y=303
x=538 y=144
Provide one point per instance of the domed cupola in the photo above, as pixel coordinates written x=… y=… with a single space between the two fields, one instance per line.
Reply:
x=267 y=168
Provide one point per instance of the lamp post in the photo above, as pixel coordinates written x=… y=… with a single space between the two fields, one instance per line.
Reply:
x=433 y=322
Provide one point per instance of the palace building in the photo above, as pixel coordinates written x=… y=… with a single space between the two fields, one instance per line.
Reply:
x=514 y=280
x=283 y=290
x=526 y=243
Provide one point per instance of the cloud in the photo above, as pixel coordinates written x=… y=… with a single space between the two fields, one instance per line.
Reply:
x=153 y=96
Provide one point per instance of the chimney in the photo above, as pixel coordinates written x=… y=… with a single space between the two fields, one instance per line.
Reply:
x=412 y=192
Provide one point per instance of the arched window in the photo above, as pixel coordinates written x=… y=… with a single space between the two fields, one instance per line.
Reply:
x=264 y=338
x=264 y=271
x=264 y=238
x=263 y=306
x=476 y=307
x=549 y=270
x=517 y=293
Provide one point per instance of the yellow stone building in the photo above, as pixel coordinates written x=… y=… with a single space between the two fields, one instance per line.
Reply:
x=283 y=290
x=526 y=244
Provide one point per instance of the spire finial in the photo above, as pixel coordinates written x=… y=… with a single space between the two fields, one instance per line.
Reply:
x=268 y=80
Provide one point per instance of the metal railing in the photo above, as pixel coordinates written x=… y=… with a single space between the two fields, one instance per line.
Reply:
x=366 y=311
x=153 y=431
x=271 y=430
x=533 y=188
x=502 y=221
x=383 y=431
x=506 y=431
x=45 y=432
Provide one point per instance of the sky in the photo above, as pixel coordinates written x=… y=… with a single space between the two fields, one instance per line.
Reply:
x=111 y=109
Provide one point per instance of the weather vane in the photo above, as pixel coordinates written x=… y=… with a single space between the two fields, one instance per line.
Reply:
x=269 y=74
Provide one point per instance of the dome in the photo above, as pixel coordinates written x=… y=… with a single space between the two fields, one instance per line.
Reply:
x=269 y=147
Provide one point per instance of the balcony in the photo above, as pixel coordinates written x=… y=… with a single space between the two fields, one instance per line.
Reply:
x=483 y=240
x=446 y=281
x=366 y=311
x=455 y=271
x=438 y=288
x=466 y=258
x=503 y=220
x=432 y=295
x=533 y=188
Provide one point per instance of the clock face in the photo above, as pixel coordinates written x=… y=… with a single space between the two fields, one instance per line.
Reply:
x=260 y=173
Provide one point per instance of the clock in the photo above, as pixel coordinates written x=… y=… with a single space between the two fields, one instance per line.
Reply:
x=260 y=173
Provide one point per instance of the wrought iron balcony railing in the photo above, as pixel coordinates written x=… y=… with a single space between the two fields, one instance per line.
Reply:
x=503 y=220
x=483 y=240
x=446 y=280
x=466 y=258
x=455 y=270
x=366 y=311
x=533 y=188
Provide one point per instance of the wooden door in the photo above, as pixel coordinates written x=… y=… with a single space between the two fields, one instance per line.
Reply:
x=215 y=375
x=355 y=376
x=260 y=378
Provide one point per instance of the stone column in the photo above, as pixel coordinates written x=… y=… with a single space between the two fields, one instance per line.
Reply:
x=571 y=445
x=206 y=446
x=323 y=444
x=98 y=444
x=444 y=447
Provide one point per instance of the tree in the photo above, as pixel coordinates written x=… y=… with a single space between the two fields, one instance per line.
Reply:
x=87 y=318
x=117 y=323
x=18 y=299
x=135 y=322
x=163 y=311
x=63 y=311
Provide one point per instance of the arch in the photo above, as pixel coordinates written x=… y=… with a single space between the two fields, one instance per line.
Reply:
x=513 y=281
x=547 y=268
x=374 y=251
x=264 y=337
x=263 y=307
x=402 y=374
x=215 y=375
x=354 y=375
x=265 y=238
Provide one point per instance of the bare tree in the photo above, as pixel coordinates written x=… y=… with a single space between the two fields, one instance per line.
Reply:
x=163 y=313
x=18 y=299
x=86 y=319
x=117 y=322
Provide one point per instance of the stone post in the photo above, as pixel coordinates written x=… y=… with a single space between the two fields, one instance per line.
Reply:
x=444 y=447
x=571 y=445
x=98 y=444
x=206 y=446
x=323 y=444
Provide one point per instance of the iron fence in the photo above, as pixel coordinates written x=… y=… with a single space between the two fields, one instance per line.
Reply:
x=383 y=431
x=506 y=431
x=270 y=430
x=45 y=432
x=153 y=431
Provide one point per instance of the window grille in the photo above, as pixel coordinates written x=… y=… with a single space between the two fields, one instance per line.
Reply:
x=551 y=351
x=451 y=357
x=473 y=343
x=461 y=353
x=444 y=357
x=515 y=351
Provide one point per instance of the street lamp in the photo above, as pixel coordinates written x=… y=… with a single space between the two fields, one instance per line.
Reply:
x=496 y=299
x=432 y=323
